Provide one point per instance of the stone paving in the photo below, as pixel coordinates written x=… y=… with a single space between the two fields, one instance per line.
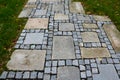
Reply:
x=61 y=42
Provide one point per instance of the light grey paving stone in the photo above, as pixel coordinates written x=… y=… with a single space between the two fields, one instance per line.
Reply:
x=89 y=74
x=66 y=27
x=107 y=72
x=18 y=75
x=47 y=70
x=27 y=60
x=53 y=77
x=46 y=77
x=94 y=70
x=68 y=62
x=68 y=73
x=33 y=75
x=25 y=13
x=83 y=18
x=48 y=63
x=117 y=66
x=61 y=17
x=40 y=12
x=4 y=75
x=91 y=26
x=82 y=68
x=58 y=7
x=61 y=63
x=26 y=75
x=40 y=75
x=87 y=62
x=63 y=47
x=54 y=70
x=34 y=38
x=54 y=63
x=93 y=65
x=83 y=75
x=11 y=74
x=75 y=62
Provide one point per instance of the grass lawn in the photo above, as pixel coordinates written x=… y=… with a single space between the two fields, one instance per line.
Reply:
x=109 y=8
x=10 y=28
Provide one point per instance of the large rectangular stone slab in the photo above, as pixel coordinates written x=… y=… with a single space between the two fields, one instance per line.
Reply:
x=50 y=1
x=66 y=27
x=25 y=13
x=83 y=18
x=40 y=12
x=34 y=38
x=37 y=23
x=76 y=7
x=90 y=37
x=63 y=47
x=27 y=60
x=107 y=72
x=59 y=16
x=95 y=52
x=101 y=18
x=114 y=36
x=58 y=7
x=68 y=73
x=90 y=26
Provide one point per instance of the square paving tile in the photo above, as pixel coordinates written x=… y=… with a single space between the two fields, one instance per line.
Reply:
x=25 y=13
x=58 y=7
x=68 y=73
x=27 y=60
x=34 y=38
x=37 y=23
x=90 y=25
x=90 y=37
x=101 y=18
x=95 y=52
x=66 y=27
x=40 y=12
x=76 y=7
x=63 y=47
x=59 y=16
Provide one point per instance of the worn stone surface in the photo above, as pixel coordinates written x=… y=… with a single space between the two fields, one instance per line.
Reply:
x=66 y=27
x=90 y=26
x=59 y=16
x=76 y=7
x=94 y=52
x=107 y=72
x=37 y=23
x=30 y=6
x=113 y=35
x=83 y=18
x=34 y=38
x=27 y=60
x=68 y=73
x=90 y=37
x=40 y=12
x=63 y=47
x=32 y=1
x=25 y=13
x=101 y=18
x=58 y=7
x=49 y=1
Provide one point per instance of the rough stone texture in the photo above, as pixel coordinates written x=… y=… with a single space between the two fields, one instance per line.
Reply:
x=25 y=13
x=58 y=7
x=114 y=36
x=101 y=18
x=32 y=1
x=89 y=25
x=49 y=1
x=68 y=73
x=83 y=18
x=59 y=16
x=107 y=72
x=90 y=37
x=94 y=52
x=30 y=6
x=76 y=7
x=27 y=60
x=34 y=38
x=66 y=27
x=37 y=23
x=40 y=12
x=63 y=47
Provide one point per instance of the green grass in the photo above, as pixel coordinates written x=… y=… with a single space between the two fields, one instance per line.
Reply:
x=10 y=28
x=109 y=8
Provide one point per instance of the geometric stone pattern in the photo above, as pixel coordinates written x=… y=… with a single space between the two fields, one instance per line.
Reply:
x=66 y=27
x=27 y=60
x=87 y=66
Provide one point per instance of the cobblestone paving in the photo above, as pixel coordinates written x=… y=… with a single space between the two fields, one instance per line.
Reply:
x=62 y=43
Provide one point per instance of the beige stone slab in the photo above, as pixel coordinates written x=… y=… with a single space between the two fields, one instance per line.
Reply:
x=25 y=13
x=113 y=35
x=59 y=16
x=37 y=23
x=95 y=52
x=68 y=73
x=27 y=60
x=90 y=37
x=90 y=26
x=66 y=27
x=30 y=6
x=63 y=47
x=32 y=1
x=101 y=18
x=48 y=1
x=76 y=7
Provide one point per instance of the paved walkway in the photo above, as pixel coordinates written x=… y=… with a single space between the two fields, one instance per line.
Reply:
x=61 y=42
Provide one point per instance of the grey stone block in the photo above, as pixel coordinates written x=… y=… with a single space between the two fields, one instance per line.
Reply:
x=26 y=75
x=61 y=63
x=48 y=63
x=40 y=75
x=75 y=62
x=4 y=75
x=47 y=70
x=83 y=75
x=54 y=70
x=18 y=75
x=54 y=63
x=11 y=74
x=33 y=75
x=68 y=62
x=89 y=74
x=82 y=68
